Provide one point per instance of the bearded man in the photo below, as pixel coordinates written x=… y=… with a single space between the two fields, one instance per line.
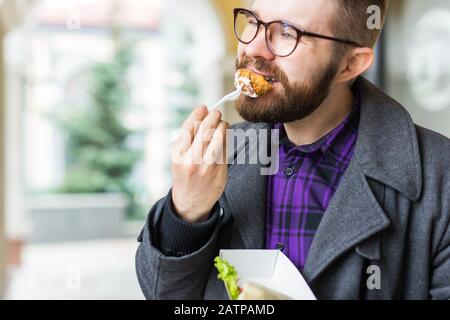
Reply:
x=359 y=188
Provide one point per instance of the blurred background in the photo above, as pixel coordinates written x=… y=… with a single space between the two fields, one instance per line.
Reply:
x=90 y=94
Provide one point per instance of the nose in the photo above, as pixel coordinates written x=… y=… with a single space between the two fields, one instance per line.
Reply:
x=258 y=47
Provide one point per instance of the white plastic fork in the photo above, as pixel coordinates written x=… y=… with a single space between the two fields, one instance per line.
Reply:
x=232 y=96
x=229 y=97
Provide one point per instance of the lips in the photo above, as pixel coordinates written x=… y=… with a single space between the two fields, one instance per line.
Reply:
x=269 y=78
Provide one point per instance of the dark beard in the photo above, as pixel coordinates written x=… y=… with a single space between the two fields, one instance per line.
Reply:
x=295 y=103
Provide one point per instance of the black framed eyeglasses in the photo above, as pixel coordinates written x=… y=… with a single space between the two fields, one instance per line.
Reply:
x=281 y=37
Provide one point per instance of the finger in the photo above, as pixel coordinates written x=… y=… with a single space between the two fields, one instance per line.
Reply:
x=204 y=134
x=225 y=143
x=215 y=153
x=190 y=127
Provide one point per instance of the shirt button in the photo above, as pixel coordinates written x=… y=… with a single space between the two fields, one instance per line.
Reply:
x=289 y=171
x=279 y=246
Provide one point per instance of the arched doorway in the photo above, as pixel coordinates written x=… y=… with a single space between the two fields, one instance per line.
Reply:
x=209 y=48
x=12 y=14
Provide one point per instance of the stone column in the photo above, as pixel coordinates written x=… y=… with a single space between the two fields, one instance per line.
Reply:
x=3 y=252
x=12 y=13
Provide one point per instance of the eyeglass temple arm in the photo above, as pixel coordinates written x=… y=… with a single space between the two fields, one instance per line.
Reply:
x=311 y=34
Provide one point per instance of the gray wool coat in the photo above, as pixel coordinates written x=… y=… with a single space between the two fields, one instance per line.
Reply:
x=390 y=216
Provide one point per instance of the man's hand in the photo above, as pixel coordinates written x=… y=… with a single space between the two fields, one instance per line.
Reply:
x=199 y=168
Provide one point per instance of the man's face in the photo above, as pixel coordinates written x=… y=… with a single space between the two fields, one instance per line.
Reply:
x=304 y=78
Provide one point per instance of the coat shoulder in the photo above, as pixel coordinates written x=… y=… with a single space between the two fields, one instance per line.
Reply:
x=241 y=125
x=435 y=151
x=248 y=125
x=435 y=158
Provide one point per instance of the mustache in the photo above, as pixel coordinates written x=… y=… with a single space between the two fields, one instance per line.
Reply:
x=263 y=66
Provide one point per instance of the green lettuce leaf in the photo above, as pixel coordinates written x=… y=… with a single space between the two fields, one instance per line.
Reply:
x=229 y=275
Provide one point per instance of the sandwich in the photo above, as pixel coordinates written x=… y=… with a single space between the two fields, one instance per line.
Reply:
x=243 y=291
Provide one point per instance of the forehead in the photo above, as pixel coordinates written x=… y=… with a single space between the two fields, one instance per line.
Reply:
x=308 y=14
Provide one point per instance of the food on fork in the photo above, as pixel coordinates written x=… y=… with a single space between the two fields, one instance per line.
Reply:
x=251 y=84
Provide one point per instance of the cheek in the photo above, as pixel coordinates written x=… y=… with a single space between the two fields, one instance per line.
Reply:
x=294 y=71
x=298 y=68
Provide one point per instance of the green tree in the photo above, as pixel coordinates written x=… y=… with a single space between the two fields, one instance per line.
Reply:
x=98 y=156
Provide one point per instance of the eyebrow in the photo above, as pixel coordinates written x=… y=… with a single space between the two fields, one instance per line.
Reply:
x=255 y=12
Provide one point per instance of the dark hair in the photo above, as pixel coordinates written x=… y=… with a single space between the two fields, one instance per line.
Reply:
x=352 y=18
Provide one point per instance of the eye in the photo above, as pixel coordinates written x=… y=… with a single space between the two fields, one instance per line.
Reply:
x=288 y=33
x=252 y=20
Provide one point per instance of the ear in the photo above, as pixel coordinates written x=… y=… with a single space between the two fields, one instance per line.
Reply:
x=355 y=63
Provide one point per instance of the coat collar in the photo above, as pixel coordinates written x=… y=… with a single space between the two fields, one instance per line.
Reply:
x=386 y=151
x=387 y=148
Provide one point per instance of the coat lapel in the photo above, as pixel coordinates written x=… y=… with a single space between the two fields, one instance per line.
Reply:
x=245 y=195
x=354 y=216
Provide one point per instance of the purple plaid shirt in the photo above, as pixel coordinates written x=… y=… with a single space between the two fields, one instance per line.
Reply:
x=299 y=194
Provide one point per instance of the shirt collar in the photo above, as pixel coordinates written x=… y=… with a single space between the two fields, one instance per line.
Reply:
x=329 y=144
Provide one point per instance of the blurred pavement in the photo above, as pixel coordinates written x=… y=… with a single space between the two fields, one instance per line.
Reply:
x=100 y=269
